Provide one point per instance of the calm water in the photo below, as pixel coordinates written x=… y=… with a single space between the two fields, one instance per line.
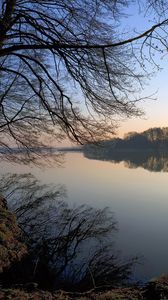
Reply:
x=137 y=196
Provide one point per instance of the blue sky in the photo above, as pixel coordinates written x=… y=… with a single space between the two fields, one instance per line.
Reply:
x=156 y=111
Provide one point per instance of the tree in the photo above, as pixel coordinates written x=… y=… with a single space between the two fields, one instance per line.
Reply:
x=66 y=70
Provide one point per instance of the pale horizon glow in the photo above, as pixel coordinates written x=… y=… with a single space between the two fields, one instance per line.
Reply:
x=156 y=111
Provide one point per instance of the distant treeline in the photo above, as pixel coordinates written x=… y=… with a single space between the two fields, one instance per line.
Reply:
x=148 y=149
x=151 y=139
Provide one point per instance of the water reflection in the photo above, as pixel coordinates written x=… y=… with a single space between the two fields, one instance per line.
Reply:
x=39 y=156
x=70 y=246
x=150 y=160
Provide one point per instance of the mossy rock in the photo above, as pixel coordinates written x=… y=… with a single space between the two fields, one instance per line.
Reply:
x=12 y=249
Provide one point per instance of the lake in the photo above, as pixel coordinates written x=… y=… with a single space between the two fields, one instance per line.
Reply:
x=137 y=196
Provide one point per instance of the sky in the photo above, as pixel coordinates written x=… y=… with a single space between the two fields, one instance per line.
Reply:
x=156 y=111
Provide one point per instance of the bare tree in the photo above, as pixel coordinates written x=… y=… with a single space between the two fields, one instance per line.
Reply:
x=66 y=70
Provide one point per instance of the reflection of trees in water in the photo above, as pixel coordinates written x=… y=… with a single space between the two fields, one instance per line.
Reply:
x=69 y=247
x=154 y=162
x=39 y=156
x=150 y=160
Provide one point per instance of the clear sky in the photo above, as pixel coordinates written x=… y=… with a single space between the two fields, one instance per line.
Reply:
x=156 y=111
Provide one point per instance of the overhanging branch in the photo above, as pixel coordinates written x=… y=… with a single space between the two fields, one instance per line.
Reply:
x=57 y=46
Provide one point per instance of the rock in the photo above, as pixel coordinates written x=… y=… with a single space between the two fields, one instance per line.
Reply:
x=12 y=249
x=157 y=288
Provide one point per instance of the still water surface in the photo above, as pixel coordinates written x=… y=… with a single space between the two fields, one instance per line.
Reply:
x=138 y=197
